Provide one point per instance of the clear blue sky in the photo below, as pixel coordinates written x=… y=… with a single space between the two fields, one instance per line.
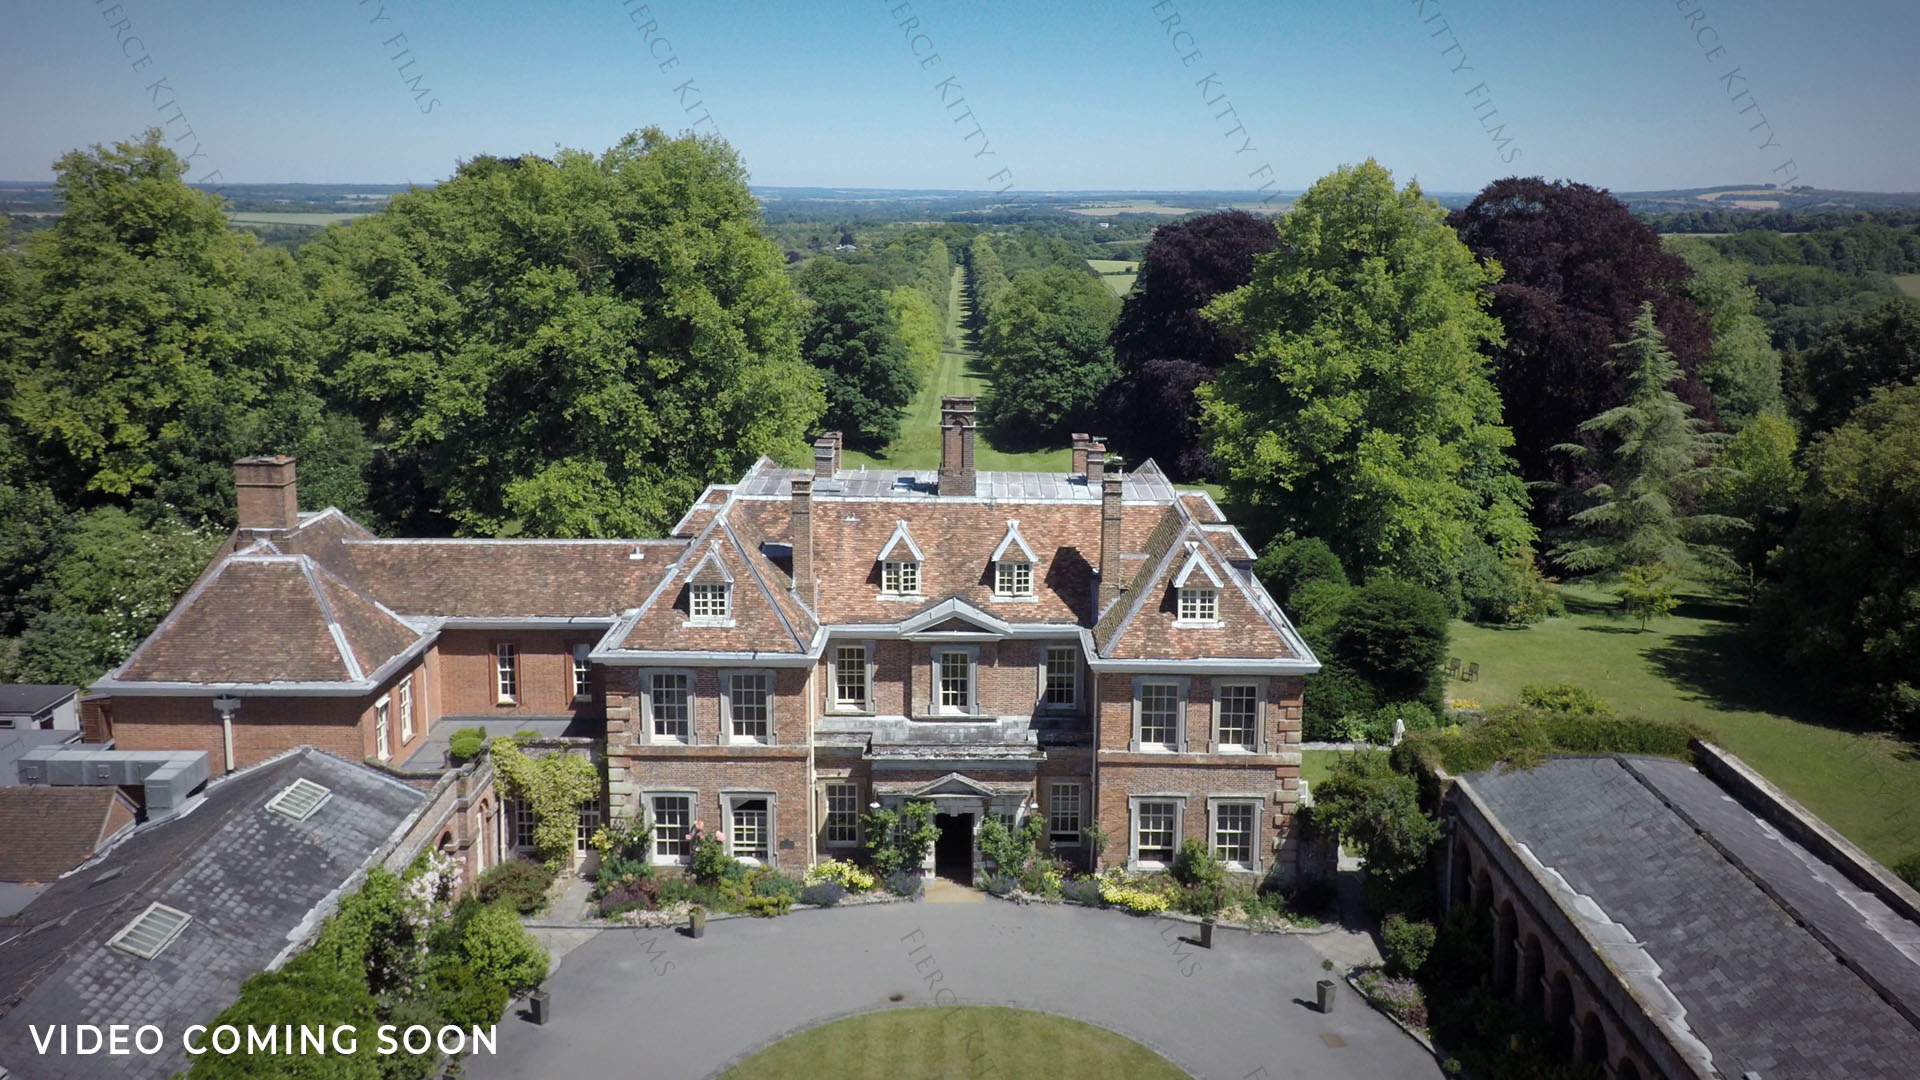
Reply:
x=1072 y=95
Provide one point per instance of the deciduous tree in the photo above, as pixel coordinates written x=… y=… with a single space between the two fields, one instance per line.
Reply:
x=851 y=338
x=1361 y=411
x=1045 y=344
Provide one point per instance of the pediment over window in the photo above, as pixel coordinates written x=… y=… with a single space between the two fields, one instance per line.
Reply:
x=1013 y=547
x=711 y=570
x=900 y=546
x=1196 y=563
x=954 y=616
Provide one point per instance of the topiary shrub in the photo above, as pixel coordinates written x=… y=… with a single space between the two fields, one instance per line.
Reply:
x=518 y=883
x=497 y=947
x=1407 y=944
x=466 y=744
x=825 y=894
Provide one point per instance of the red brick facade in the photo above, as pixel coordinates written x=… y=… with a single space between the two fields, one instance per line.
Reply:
x=953 y=704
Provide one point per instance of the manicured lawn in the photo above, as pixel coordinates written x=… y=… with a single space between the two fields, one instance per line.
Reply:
x=1316 y=764
x=974 y=1041
x=918 y=446
x=1701 y=666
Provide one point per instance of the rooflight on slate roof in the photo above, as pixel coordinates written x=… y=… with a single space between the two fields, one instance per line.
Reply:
x=151 y=931
x=299 y=800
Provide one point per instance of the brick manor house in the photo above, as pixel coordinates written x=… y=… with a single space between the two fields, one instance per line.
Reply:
x=1090 y=647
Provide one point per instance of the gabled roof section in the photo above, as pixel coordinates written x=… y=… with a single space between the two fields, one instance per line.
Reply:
x=508 y=579
x=900 y=536
x=265 y=620
x=711 y=569
x=1196 y=563
x=51 y=830
x=1013 y=548
x=1139 y=623
x=765 y=620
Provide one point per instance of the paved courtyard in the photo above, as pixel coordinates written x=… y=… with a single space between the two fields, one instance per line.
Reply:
x=655 y=1004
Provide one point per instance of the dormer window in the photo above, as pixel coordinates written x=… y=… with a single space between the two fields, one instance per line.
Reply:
x=1199 y=588
x=709 y=601
x=1013 y=579
x=900 y=560
x=1013 y=564
x=900 y=578
x=1199 y=605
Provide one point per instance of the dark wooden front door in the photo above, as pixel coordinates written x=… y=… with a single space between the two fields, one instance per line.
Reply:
x=953 y=851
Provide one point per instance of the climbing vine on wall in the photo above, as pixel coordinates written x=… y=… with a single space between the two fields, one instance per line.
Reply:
x=554 y=786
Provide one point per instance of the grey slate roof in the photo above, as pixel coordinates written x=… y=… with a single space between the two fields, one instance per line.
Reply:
x=252 y=880
x=1674 y=859
x=26 y=699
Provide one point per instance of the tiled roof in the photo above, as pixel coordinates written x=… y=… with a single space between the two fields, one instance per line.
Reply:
x=1140 y=623
x=249 y=879
x=1676 y=868
x=762 y=615
x=260 y=619
x=51 y=830
x=504 y=579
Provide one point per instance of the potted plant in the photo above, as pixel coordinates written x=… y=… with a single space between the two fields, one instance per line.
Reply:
x=697 y=921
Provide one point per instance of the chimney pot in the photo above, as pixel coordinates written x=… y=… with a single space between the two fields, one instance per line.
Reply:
x=266 y=497
x=1112 y=486
x=956 y=446
x=804 y=585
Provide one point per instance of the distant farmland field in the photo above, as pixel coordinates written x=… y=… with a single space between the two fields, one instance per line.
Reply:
x=1909 y=284
x=1131 y=206
x=289 y=217
x=1116 y=274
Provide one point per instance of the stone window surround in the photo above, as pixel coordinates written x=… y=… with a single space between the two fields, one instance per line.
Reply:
x=1041 y=704
x=833 y=704
x=730 y=796
x=1258 y=805
x=1080 y=812
x=1183 y=684
x=826 y=806
x=1179 y=802
x=726 y=736
x=647 y=795
x=1259 y=716
x=647 y=734
x=934 y=708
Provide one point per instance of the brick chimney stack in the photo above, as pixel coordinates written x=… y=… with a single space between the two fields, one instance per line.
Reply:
x=956 y=446
x=266 y=497
x=839 y=444
x=804 y=585
x=825 y=455
x=1111 y=486
x=1095 y=465
x=1080 y=440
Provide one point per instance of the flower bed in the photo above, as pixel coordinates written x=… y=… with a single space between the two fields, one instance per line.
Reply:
x=1397 y=996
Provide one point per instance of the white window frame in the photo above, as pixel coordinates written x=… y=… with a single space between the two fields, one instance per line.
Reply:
x=691 y=799
x=588 y=818
x=835 y=703
x=1199 y=606
x=1258 y=743
x=935 y=707
x=900 y=577
x=582 y=671
x=729 y=801
x=650 y=731
x=1254 y=806
x=727 y=677
x=382 y=725
x=850 y=790
x=701 y=594
x=1007 y=575
x=1072 y=837
x=1073 y=689
x=406 y=709
x=1179 y=744
x=506 y=673
x=1134 y=806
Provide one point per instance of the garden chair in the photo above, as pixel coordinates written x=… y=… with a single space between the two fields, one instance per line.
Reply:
x=1453 y=667
x=1473 y=672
